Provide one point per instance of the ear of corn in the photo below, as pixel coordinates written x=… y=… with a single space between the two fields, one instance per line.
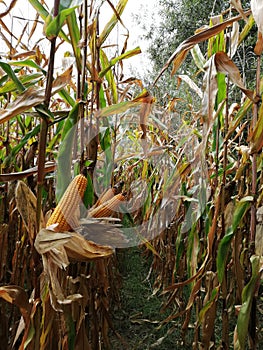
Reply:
x=108 y=194
x=105 y=196
x=65 y=213
x=107 y=209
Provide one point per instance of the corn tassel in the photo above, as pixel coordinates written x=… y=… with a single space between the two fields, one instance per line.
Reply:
x=106 y=209
x=65 y=213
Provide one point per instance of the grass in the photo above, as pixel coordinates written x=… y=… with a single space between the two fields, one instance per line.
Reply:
x=138 y=318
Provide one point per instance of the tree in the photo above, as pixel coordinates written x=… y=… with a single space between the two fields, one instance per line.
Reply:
x=179 y=19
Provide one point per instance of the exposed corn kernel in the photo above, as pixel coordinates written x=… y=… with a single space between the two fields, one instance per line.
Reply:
x=107 y=209
x=65 y=213
x=105 y=196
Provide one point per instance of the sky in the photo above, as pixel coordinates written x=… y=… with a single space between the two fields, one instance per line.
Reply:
x=144 y=9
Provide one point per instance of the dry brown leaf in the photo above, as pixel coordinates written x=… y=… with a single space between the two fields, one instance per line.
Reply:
x=11 y=6
x=225 y=65
x=79 y=249
x=146 y=101
x=234 y=34
x=17 y=296
x=210 y=314
x=73 y=243
x=210 y=91
x=23 y=55
x=48 y=240
x=28 y=99
x=228 y=214
x=181 y=52
x=49 y=167
x=62 y=80
x=257 y=11
x=56 y=249
x=33 y=96
x=238 y=6
x=4 y=241
x=26 y=204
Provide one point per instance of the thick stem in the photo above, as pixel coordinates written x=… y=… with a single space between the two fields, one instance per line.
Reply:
x=83 y=81
x=44 y=125
x=253 y=323
x=225 y=320
x=254 y=168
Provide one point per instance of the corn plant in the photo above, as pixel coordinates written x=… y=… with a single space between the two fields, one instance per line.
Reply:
x=49 y=122
x=187 y=187
x=214 y=259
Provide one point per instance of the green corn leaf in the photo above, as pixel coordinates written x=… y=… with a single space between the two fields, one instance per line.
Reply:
x=102 y=98
x=44 y=14
x=109 y=76
x=20 y=145
x=30 y=337
x=3 y=79
x=53 y=27
x=125 y=55
x=112 y=22
x=9 y=71
x=247 y=298
x=54 y=140
x=25 y=80
x=247 y=29
x=89 y=193
x=116 y=108
x=39 y=8
x=224 y=246
x=64 y=160
x=216 y=43
x=27 y=63
x=66 y=97
x=75 y=38
x=241 y=209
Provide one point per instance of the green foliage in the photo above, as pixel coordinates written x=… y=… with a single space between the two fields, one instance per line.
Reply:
x=64 y=159
x=224 y=246
x=7 y=68
x=54 y=26
x=190 y=182
x=248 y=294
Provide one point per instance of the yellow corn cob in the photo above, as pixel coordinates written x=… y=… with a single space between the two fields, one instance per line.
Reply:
x=65 y=212
x=105 y=196
x=106 y=209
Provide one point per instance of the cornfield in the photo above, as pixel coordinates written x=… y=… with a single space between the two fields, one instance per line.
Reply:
x=93 y=163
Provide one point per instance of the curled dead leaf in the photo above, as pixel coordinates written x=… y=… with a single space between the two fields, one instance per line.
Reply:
x=238 y=6
x=17 y=296
x=73 y=244
x=178 y=57
x=26 y=204
x=225 y=65
x=56 y=249
x=49 y=167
